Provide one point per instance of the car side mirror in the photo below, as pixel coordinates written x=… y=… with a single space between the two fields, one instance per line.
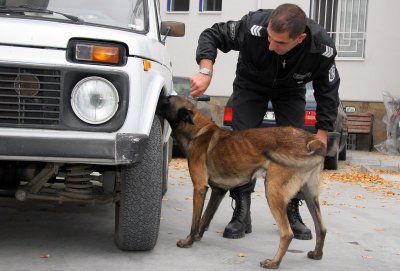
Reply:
x=172 y=29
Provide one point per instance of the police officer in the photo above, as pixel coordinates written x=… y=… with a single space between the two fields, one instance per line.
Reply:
x=280 y=51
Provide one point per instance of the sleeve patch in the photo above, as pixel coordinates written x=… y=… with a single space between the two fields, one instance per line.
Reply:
x=232 y=30
x=332 y=73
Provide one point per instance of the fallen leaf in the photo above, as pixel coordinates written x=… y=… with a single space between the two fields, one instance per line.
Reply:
x=367 y=257
x=359 y=197
x=241 y=254
x=379 y=229
x=324 y=202
x=46 y=256
x=178 y=209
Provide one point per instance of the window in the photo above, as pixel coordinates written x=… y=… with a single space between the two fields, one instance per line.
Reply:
x=210 y=5
x=345 y=21
x=178 y=5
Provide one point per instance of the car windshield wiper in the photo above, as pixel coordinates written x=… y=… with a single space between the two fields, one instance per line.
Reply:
x=23 y=8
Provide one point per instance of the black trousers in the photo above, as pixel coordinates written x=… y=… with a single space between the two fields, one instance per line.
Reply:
x=250 y=103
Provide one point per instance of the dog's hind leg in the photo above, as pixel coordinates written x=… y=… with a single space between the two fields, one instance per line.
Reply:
x=310 y=192
x=217 y=194
x=278 y=196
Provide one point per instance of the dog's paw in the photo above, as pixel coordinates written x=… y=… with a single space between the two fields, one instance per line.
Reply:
x=184 y=243
x=315 y=255
x=269 y=264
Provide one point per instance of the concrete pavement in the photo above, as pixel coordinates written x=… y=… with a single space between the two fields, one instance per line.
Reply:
x=363 y=233
x=373 y=159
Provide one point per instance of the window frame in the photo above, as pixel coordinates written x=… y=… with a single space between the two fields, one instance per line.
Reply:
x=170 y=4
x=356 y=39
x=202 y=11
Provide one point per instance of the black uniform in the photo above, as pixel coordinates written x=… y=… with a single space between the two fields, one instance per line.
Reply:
x=263 y=75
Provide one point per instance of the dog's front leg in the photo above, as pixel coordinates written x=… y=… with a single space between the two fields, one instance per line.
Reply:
x=199 y=195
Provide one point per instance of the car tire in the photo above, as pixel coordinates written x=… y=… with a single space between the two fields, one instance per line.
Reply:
x=137 y=214
x=343 y=153
x=9 y=175
x=331 y=163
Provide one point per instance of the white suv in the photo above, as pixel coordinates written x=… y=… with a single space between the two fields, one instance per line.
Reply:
x=79 y=85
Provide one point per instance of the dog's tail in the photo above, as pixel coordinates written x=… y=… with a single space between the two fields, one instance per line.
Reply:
x=316 y=151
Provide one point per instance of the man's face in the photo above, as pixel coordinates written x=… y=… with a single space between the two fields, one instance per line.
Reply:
x=281 y=43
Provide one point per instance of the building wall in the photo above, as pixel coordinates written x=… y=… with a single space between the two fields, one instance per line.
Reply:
x=366 y=80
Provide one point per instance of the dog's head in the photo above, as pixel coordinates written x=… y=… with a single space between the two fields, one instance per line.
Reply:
x=177 y=110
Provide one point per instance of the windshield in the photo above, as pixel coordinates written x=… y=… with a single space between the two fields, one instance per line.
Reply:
x=128 y=14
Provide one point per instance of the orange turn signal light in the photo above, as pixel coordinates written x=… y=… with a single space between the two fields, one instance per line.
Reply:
x=97 y=53
x=146 y=65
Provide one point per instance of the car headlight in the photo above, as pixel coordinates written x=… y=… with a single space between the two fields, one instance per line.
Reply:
x=94 y=100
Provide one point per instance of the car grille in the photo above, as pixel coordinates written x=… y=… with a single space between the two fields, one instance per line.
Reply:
x=29 y=97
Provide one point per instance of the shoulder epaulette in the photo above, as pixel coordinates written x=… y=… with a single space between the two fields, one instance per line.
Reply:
x=258 y=31
x=328 y=51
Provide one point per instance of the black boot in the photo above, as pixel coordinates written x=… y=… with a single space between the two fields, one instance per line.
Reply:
x=241 y=220
x=299 y=229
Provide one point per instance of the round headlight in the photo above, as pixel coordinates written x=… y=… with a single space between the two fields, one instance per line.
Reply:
x=94 y=100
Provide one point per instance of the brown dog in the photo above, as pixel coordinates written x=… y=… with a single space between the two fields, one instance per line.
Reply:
x=288 y=159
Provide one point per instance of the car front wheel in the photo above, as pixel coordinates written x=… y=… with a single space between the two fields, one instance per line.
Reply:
x=137 y=214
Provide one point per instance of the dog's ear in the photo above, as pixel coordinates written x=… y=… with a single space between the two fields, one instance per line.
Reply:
x=185 y=115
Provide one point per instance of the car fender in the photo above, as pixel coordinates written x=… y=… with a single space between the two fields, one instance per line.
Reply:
x=155 y=85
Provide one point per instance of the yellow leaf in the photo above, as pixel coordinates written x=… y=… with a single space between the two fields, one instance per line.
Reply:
x=241 y=254
x=367 y=257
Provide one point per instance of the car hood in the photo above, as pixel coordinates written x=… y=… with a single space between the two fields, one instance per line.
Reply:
x=50 y=34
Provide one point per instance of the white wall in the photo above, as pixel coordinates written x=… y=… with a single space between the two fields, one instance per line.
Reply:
x=365 y=80
x=361 y=80
x=183 y=50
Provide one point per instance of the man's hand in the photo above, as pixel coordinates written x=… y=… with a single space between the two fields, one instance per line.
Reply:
x=323 y=136
x=198 y=84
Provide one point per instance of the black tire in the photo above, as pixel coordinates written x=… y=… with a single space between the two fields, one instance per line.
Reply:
x=343 y=153
x=331 y=163
x=9 y=175
x=137 y=214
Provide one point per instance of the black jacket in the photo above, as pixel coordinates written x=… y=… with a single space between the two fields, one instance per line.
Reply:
x=312 y=60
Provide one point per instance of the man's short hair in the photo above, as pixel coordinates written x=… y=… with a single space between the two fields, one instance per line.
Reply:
x=288 y=18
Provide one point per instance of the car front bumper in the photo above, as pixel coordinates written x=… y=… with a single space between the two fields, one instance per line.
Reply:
x=119 y=149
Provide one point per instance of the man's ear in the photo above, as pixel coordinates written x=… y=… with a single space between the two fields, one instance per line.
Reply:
x=301 y=37
x=185 y=115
